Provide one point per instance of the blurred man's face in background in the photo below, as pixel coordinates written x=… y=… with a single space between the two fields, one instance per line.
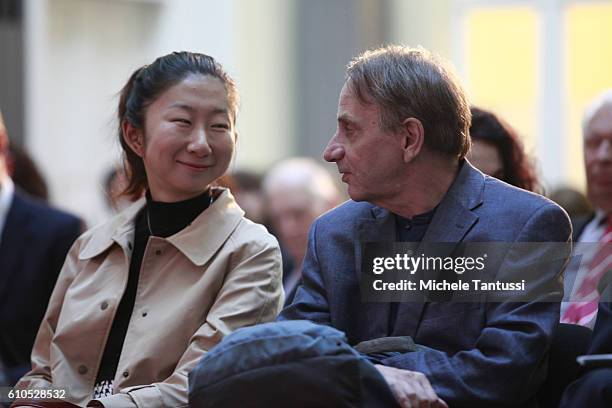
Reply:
x=292 y=212
x=598 y=158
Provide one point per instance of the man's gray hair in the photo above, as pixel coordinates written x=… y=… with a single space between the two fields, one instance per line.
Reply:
x=600 y=102
x=412 y=82
x=304 y=174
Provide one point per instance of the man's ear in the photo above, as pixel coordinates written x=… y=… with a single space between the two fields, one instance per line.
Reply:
x=134 y=137
x=412 y=138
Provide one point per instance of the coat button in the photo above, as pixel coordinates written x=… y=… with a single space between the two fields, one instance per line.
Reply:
x=104 y=305
x=82 y=369
x=144 y=314
x=125 y=374
x=158 y=252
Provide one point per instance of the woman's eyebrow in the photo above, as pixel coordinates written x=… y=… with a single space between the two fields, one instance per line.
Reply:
x=180 y=105
x=184 y=106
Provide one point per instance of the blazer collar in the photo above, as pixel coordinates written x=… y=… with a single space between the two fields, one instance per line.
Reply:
x=452 y=219
x=198 y=241
x=454 y=216
x=451 y=222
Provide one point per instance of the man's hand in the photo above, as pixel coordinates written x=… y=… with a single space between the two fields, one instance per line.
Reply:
x=410 y=388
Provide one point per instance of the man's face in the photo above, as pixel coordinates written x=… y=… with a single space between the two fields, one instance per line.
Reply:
x=598 y=159
x=369 y=158
x=292 y=211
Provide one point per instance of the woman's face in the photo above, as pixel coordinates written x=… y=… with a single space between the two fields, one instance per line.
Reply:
x=188 y=138
x=486 y=158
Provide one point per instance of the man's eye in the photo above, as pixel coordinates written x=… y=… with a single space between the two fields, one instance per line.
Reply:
x=222 y=126
x=347 y=128
x=181 y=121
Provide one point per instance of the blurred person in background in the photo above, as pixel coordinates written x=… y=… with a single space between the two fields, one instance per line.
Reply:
x=498 y=151
x=573 y=202
x=582 y=284
x=115 y=183
x=34 y=241
x=594 y=388
x=143 y=296
x=26 y=174
x=246 y=188
x=297 y=191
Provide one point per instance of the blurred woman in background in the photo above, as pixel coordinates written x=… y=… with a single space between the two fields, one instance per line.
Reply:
x=498 y=151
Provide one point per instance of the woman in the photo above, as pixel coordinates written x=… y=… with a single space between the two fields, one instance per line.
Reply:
x=142 y=297
x=497 y=151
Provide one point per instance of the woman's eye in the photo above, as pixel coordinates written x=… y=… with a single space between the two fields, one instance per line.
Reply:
x=222 y=126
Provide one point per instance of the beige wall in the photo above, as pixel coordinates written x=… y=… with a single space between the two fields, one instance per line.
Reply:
x=79 y=53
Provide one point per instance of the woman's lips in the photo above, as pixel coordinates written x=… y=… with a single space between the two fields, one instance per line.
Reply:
x=195 y=166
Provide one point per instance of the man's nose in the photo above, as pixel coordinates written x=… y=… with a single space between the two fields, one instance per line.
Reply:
x=334 y=151
x=199 y=144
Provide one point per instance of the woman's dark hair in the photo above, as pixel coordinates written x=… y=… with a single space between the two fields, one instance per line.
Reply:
x=146 y=84
x=517 y=166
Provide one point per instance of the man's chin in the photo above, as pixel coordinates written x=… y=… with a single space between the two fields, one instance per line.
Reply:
x=357 y=195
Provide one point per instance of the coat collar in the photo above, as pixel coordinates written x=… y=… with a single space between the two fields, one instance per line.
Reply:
x=217 y=223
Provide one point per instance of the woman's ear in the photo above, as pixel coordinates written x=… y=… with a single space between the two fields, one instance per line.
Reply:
x=412 y=138
x=134 y=137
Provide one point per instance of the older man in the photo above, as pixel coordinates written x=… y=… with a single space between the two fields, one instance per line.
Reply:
x=34 y=240
x=594 y=388
x=596 y=228
x=400 y=144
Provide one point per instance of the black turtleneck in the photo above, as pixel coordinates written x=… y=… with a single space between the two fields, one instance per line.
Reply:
x=161 y=220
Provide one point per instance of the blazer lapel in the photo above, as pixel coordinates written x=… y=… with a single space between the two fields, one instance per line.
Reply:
x=379 y=228
x=452 y=221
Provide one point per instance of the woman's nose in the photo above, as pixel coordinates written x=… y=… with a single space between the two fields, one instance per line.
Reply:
x=199 y=144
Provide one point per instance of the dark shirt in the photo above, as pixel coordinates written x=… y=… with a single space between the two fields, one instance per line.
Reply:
x=161 y=220
x=408 y=230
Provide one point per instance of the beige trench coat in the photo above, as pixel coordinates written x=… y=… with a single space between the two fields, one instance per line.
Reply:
x=220 y=273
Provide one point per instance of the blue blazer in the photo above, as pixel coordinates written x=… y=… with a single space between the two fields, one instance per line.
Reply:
x=35 y=241
x=476 y=354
